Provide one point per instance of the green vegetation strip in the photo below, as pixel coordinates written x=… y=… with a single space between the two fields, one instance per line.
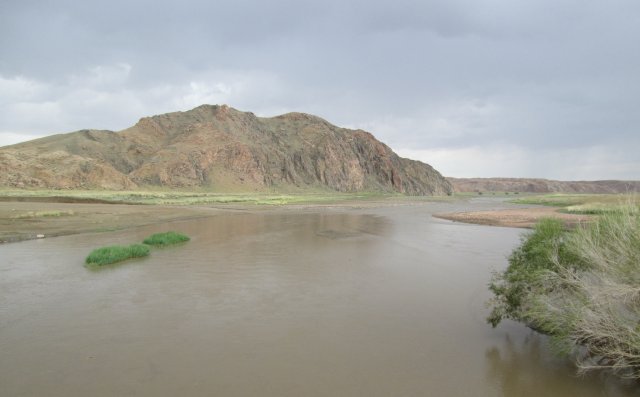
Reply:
x=581 y=287
x=173 y=197
x=589 y=204
x=116 y=253
x=164 y=239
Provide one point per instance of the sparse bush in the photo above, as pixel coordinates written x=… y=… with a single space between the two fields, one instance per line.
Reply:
x=116 y=253
x=163 y=239
x=582 y=287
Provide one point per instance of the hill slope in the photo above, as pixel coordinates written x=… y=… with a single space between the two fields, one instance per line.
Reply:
x=530 y=185
x=219 y=148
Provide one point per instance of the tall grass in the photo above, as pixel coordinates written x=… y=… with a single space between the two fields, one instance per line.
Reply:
x=116 y=253
x=582 y=287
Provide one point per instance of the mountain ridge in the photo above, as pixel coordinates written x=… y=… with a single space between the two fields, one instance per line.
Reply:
x=220 y=148
x=541 y=185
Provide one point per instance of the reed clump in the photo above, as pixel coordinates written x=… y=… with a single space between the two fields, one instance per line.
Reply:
x=164 y=239
x=581 y=287
x=116 y=253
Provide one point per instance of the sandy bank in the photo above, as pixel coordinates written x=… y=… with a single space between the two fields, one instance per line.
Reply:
x=518 y=217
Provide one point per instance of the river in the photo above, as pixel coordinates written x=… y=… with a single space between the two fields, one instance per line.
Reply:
x=384 y=301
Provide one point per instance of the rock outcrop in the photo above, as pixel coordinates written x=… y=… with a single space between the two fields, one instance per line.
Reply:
x=218 y=148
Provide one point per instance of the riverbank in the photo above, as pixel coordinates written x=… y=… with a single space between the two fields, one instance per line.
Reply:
x=31 y=214
x=570 y=209
x=580 y=287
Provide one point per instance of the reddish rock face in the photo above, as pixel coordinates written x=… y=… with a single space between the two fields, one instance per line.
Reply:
x=219 y=148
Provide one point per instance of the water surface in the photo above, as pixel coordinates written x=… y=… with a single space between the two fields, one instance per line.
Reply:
x=327 y=302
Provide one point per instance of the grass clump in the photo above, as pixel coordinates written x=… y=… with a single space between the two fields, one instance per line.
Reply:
x=164 y=239
x=116 y=253
x=580 y=286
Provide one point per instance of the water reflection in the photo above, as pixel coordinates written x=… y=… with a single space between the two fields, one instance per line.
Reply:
x=524 y=365
x=303 y=226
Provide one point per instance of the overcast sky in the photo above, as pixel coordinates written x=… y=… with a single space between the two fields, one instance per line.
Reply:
x=531 y=88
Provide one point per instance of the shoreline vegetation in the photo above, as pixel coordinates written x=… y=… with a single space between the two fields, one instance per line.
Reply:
x=580 y=286
x=173 y=197
x=583 y=204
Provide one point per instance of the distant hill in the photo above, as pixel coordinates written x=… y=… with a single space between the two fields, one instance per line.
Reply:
x=528 y=185
x=222 y=149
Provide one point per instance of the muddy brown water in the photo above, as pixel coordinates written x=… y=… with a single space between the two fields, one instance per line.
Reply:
x=327 y=302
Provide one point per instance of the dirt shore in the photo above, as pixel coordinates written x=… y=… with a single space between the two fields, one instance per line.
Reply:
x=29 y=220
x=520 y=217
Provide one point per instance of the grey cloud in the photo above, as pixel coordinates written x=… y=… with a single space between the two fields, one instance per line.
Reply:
x=422 y=75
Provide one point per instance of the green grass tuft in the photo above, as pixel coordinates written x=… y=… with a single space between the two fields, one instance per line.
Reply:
x=116 y=253
x=163 y=239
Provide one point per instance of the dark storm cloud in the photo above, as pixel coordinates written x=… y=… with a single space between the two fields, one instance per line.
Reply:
x=438 y=78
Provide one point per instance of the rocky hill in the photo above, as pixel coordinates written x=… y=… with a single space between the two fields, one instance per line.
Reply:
x=528 y=185
x=221 y=149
